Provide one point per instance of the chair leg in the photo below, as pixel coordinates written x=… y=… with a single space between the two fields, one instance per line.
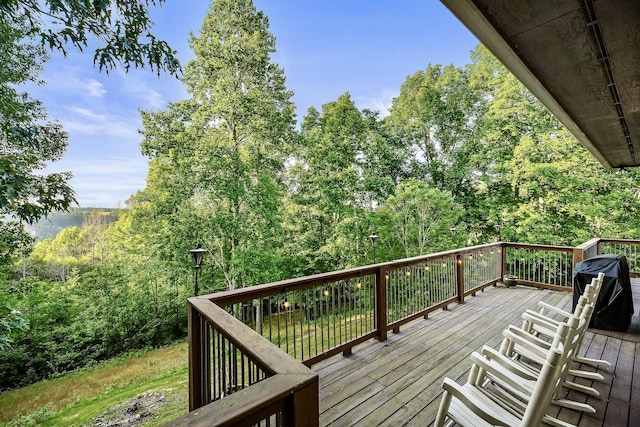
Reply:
x=443 y=409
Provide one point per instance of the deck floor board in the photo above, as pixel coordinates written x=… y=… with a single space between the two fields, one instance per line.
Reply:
x=398 y=382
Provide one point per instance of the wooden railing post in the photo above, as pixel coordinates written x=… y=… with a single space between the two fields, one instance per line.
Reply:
x=578 y=256
x=305 y=406
x=503 y=263
x=195 y=359
x=381 y=315
x=459 y=278
x=585 y=250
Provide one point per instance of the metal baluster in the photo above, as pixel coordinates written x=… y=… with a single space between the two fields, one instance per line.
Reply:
x=292 y=313
x=333 y=314
x=323 y=308
x=214 y=365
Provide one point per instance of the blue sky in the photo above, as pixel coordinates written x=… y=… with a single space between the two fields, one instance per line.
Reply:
x=326 y=48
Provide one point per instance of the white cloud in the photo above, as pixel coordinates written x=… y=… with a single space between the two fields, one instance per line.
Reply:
x=69 y=80
x=83 y=121
x=107 y=128
x=380 y=102
x=94 y=88
x=103 y=180
x=138 y=86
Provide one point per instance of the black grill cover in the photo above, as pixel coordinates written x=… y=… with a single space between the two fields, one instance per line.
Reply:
x=614 y=306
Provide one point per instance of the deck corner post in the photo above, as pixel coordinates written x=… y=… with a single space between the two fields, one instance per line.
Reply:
x=381 y=317
x=306 y=406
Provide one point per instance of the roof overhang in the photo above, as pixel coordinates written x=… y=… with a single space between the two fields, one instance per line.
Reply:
x=581 y=58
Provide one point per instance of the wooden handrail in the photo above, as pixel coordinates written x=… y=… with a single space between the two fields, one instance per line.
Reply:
x=226 y=298
x=253 y=345
x=251 y=405
x=588 y=244
x=540 y=247
x=290 y=386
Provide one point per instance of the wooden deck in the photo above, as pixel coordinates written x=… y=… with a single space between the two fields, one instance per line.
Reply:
x=397 y=382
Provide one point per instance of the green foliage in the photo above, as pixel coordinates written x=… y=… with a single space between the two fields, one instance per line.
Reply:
x=344 y=165
x=11 y=322
x=415 y=220
x=27 y=143
x=434 y=117
x=14 y=242
x=217 y=157
x=123 y=28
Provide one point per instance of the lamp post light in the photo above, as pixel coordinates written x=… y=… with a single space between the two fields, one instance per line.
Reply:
x=497 y=227
x=197 y=254
x=373 y=237
x=453 y=231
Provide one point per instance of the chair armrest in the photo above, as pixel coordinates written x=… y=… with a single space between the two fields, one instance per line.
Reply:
x=527 y=340
x=540 y=320
x=553 y=308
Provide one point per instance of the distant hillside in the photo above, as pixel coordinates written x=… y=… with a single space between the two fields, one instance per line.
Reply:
x=49 y=227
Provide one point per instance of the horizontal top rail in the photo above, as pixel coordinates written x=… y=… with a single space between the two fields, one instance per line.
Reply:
x=225 y=298
x=266 y=394
x=623 y=241
x=589 y=243
x=540 y=247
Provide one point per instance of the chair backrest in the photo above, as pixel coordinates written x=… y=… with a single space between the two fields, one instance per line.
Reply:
x=573 y=340
x=586 y=317
x=541 y=388
x=593 y=289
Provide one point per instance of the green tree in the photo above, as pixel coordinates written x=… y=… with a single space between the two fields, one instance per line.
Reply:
x=123 y=28
x=415 y=220
x=218 y=157
x=434 y=117
x=69 y=250
x=344 y=166
x=28 y=142
x=533 y=177
x=563 y=196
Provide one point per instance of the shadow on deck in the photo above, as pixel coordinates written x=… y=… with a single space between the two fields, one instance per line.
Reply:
x=397 y=382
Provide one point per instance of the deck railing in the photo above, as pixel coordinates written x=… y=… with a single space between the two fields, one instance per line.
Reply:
x=252 y=381
x=299 y=322
x=541 y=265
x=629 y=248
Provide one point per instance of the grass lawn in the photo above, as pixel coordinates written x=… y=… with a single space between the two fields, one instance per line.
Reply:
x=77 y=398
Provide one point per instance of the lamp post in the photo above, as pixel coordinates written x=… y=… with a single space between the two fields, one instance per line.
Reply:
x=497 y=226
x=373 y=237
x=197 y=254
